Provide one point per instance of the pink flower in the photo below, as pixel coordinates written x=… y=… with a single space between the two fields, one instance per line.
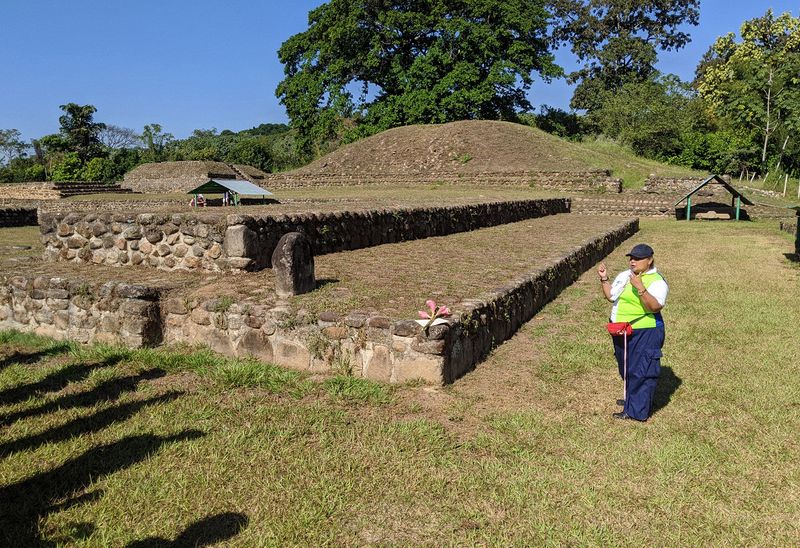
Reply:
x=435 y=312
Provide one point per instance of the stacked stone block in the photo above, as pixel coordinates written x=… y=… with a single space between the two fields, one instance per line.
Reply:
x=565 y=181
x=245 y=242
x=72 y=309
x=18 y=216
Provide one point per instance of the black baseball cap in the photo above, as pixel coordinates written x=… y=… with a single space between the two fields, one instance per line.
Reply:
x=640 y=251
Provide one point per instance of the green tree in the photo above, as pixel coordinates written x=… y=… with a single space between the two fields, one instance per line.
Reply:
x=650 y=116
x=69 y=168
x=618 y=41
x=80 y=131
x=155 y=141
x=11 y=145
x=395 y=62
x=256 y=152
x=754 y=84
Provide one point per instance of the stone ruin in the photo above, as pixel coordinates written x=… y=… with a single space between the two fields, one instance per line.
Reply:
x=370 y=344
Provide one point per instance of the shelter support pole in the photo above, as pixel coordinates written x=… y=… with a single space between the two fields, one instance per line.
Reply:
x=689 y=208
x=738 y=206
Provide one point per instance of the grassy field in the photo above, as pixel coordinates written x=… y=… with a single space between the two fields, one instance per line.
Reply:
x=102 y=446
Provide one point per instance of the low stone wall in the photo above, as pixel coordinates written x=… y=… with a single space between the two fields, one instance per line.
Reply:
x=789 y=226
x=82 y=311
x=18 y=216
x=496 y=316
x=244 y=242
x=364 y=345
x=115 y=206
x=674 y=185
x=626 y=205
x=29 y=191
x=568 y=181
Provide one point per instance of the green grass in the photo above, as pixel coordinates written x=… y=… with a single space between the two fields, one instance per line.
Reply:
x=102 y=446
x=632 y=169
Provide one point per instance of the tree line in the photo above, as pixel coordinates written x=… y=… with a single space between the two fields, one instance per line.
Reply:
x=364 y=66
x=87 y=150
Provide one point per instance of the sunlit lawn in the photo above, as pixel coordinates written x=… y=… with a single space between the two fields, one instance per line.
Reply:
x=103 y=446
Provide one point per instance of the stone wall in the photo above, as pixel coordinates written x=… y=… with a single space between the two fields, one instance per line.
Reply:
x=487 y=321
x=675 y=185
x=82 y=311
x=569 y=181
x=29 y=191
x=18 y=216
x=626 y=205
x=364 y=345
x=244 y=242
x=789 y=226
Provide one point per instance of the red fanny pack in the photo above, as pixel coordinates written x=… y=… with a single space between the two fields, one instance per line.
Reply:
x=619 y=328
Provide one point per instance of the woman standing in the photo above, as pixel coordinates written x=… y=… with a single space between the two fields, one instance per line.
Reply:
x=638 y=294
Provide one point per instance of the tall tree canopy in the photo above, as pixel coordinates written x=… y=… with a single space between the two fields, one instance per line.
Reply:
x=394 y=62
x=755 y=83
x=618 y=41
x=81 y=132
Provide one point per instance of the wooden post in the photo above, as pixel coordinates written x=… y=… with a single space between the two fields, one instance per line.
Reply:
x=785 y=182
x=689 y=209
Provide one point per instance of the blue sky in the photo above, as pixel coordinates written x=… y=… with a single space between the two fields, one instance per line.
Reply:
x=189 y=64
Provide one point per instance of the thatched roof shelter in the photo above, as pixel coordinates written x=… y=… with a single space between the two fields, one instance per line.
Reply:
x=165 y=177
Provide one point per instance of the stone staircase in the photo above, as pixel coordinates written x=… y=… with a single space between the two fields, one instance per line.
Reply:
x=239 y=173
x=77 y=188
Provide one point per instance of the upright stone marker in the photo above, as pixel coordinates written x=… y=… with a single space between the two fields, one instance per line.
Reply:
x=293 y=263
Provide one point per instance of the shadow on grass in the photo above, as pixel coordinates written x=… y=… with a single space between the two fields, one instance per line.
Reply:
x=28 y=358
x=84 y=425
x=107 y=391
x=204 y=532
x=53 y=382
x=668 y=383
x=793 y=257
x=25 y=503
x=322 y=282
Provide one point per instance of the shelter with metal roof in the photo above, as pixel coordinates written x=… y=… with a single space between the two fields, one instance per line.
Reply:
x=737 y=198
x=234 y=187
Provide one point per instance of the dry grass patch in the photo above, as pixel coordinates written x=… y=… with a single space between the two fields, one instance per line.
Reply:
x=396 y=279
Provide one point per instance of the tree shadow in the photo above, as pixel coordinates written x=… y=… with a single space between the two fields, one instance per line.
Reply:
x=27 y=358
x=25 y=503
x=53 y=382
x=107 y=391
x=793 y=257
x=204 y=532
x=84 y=425
x=668 y=383
x=322 y=282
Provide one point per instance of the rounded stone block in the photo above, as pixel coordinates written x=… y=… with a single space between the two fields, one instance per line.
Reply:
x=293 y=263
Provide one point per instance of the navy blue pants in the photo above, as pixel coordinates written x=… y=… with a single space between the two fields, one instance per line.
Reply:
x=644 y=368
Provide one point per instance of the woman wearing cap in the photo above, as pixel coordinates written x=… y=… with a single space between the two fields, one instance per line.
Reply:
x=638 y=294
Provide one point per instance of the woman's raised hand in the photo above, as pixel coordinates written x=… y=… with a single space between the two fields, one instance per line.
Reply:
x=601 y=271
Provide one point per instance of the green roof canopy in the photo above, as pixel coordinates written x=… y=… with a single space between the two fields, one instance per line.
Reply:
x=737 y=198
x=716 y=179
x=238 y=186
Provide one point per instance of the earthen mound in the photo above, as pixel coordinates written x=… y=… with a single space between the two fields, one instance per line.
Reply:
x=468 y=147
